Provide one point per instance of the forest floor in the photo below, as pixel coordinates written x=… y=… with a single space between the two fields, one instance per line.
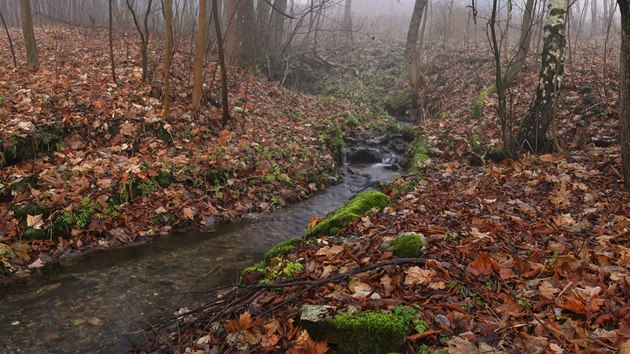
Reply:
x=86 y=163
x=524 y=256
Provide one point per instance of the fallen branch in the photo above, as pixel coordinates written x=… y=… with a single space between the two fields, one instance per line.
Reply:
x=241 y=295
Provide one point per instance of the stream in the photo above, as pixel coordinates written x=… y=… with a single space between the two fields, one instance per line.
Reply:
x=100 y=302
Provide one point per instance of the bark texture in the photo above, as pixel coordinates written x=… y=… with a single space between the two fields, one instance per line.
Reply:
x=239 y=39
x=168 y=49
x=277 y=25
x=200 y=50
x=523 y=44
x=411 y=47
x=347 y=21
x=224 y=90
x=624 y=100
x=32 y=57
x=532 y=134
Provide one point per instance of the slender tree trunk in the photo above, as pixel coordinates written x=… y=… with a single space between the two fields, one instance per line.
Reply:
x=523 y=44
x=347 y=22
x=506 y=127
x=240 y=35
x=144 y=35
x=199 y=56
x=532 y=134
x=32 y=57
x=111 y=42
x=411 y=47
x=277 y=25
x=263 y=14
x=594 y=18
x=6 y=29
x=224 y=89
x=506 y=35
x=168 y=48
x=624 y=100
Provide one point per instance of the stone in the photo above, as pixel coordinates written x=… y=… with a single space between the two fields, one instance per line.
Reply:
x=364 y=156
x=357 y=207
x=408 y=245
x=358 y=332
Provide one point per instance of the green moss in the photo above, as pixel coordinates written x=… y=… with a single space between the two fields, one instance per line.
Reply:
x=477 y=107
x=164 y=178
x=36 y=234
x=370 y=332
x=260 y=267
x=420 y=155
x=407 y=245
x=282 y=249
x=401 y=101
x=359 y=206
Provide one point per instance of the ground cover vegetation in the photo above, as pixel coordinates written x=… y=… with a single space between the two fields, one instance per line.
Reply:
x=495 y=239
x=527 y=255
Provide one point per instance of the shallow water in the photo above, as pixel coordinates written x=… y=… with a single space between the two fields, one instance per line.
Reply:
x=100 y=301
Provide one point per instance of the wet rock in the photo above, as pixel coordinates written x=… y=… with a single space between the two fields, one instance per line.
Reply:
x=364 y=156
x=443 y=321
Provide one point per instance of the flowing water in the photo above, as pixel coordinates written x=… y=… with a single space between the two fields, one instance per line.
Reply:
x=98 y=303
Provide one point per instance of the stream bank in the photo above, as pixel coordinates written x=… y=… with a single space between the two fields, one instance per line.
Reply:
x=101 y=302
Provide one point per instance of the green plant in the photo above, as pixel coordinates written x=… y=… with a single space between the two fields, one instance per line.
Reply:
x=282 y=249
x=146 y=187
x=451 y=235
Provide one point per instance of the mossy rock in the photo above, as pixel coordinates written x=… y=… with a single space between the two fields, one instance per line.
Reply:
x=359 y=332
x=359 y=206
x=36 y=234
x=408 y=245
x=398 y=103
x=282 y=249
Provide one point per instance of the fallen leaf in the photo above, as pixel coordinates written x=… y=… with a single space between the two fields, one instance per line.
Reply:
x=189 y=213
x=416 y=275
x=482 y=265
x=329 y=251
x=34 y=221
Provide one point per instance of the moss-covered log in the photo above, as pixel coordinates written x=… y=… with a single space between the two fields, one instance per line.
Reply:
x=361 y=205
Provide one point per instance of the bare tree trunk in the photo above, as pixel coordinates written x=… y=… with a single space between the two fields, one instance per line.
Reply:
x=111 y=42
x=411 y=47
x=199 y=56
x=32 y=56
x=506 y=128
x=506 y=35
x=347 y=22
x=624 y=100
x=594 y=18
x=168 y=48
x=263 y=15
x=144 y=35
x=523 y=44
x=277 y=24
x=532 y=133
x=224 y=90
x=6 y=29
x=240 y=33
